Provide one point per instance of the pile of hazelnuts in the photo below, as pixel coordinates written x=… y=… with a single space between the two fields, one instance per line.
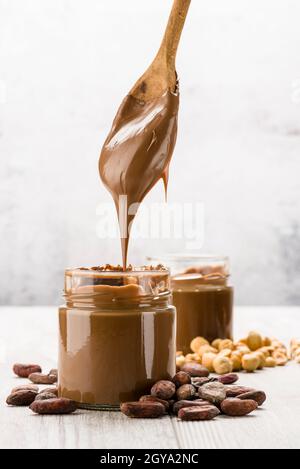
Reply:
x=222 y=356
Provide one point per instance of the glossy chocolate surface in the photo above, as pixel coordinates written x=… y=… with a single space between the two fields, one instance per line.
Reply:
x=137 y=153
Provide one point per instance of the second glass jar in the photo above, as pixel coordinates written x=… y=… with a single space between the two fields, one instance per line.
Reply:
x=202 y=296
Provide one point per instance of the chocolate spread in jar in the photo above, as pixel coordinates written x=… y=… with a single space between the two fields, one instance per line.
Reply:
x=204 y=304
x=137 y=153
x=116 y=335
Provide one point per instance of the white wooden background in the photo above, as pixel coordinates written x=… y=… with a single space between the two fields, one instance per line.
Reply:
x=30 y=334
x=65 y=66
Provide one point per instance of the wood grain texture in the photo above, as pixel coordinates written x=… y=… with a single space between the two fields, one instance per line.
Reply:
x=161 y=75
x=29 y=334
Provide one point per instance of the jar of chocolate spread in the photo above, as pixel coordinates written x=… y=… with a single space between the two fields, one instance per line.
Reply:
x=202 y=296
x=117 y=334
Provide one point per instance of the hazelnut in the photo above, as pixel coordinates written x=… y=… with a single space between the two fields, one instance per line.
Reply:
x=266 y=341
x=207 y=360
x=197 y=342
x=270 y=349
x=281 y=350
x=250 y=362
x=296 y=354
x=295 y=351
x=270 y=362
x=243 y=341
x=265 y=350
x=226 y=352
x=281 y=362
x=192 y=357
x=222 y=365
x=180 y=361
x=262 y=359
x=205 y=349
x=226 y=344
x=295 y=342
x=216 y=343
x=237 y=353
x=244 y=349
x=279 y=354
x=236 y=345
x=236 y=361
x=281 y=358
x=254 y=340
x=277 y=344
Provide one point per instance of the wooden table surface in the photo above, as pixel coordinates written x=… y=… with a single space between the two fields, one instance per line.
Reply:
x=30 y=334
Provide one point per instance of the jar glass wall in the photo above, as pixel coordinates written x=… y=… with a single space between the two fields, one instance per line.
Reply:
x=117 y=335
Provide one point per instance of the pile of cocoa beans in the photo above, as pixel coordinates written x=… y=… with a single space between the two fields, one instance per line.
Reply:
x=193 y=395
x=45 y=401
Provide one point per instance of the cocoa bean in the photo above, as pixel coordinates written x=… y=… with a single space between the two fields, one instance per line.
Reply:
x=213 y=392
x=236 y=407
x=257 y=396
x=23 y=370
x=181 y=378
x=186 y=392
x=54 y=372
x=195 y=370
x=40 y=378
x=24 y=397
x=184 y=403
x=163 y=389
x=171 y=405
x=45 y=395
x=234 y=391
x=27 y=387
x=230 y=378
x=54 y=406
x=155 y=399
x=146 y=410
x=53 y=390
x=198 y=413
x=200 y=381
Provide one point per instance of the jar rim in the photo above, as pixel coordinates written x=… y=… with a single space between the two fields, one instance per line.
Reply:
x=143 y=270
x=138 y=282
x=172 y=257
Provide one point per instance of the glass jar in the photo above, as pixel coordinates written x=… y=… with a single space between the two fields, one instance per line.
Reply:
x=202 y=296
x=117 y=335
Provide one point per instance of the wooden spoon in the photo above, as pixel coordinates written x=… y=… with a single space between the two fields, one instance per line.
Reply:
x=161 y=75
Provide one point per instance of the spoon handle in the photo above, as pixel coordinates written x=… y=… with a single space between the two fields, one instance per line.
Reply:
x=161 y=75
x=170 y=42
